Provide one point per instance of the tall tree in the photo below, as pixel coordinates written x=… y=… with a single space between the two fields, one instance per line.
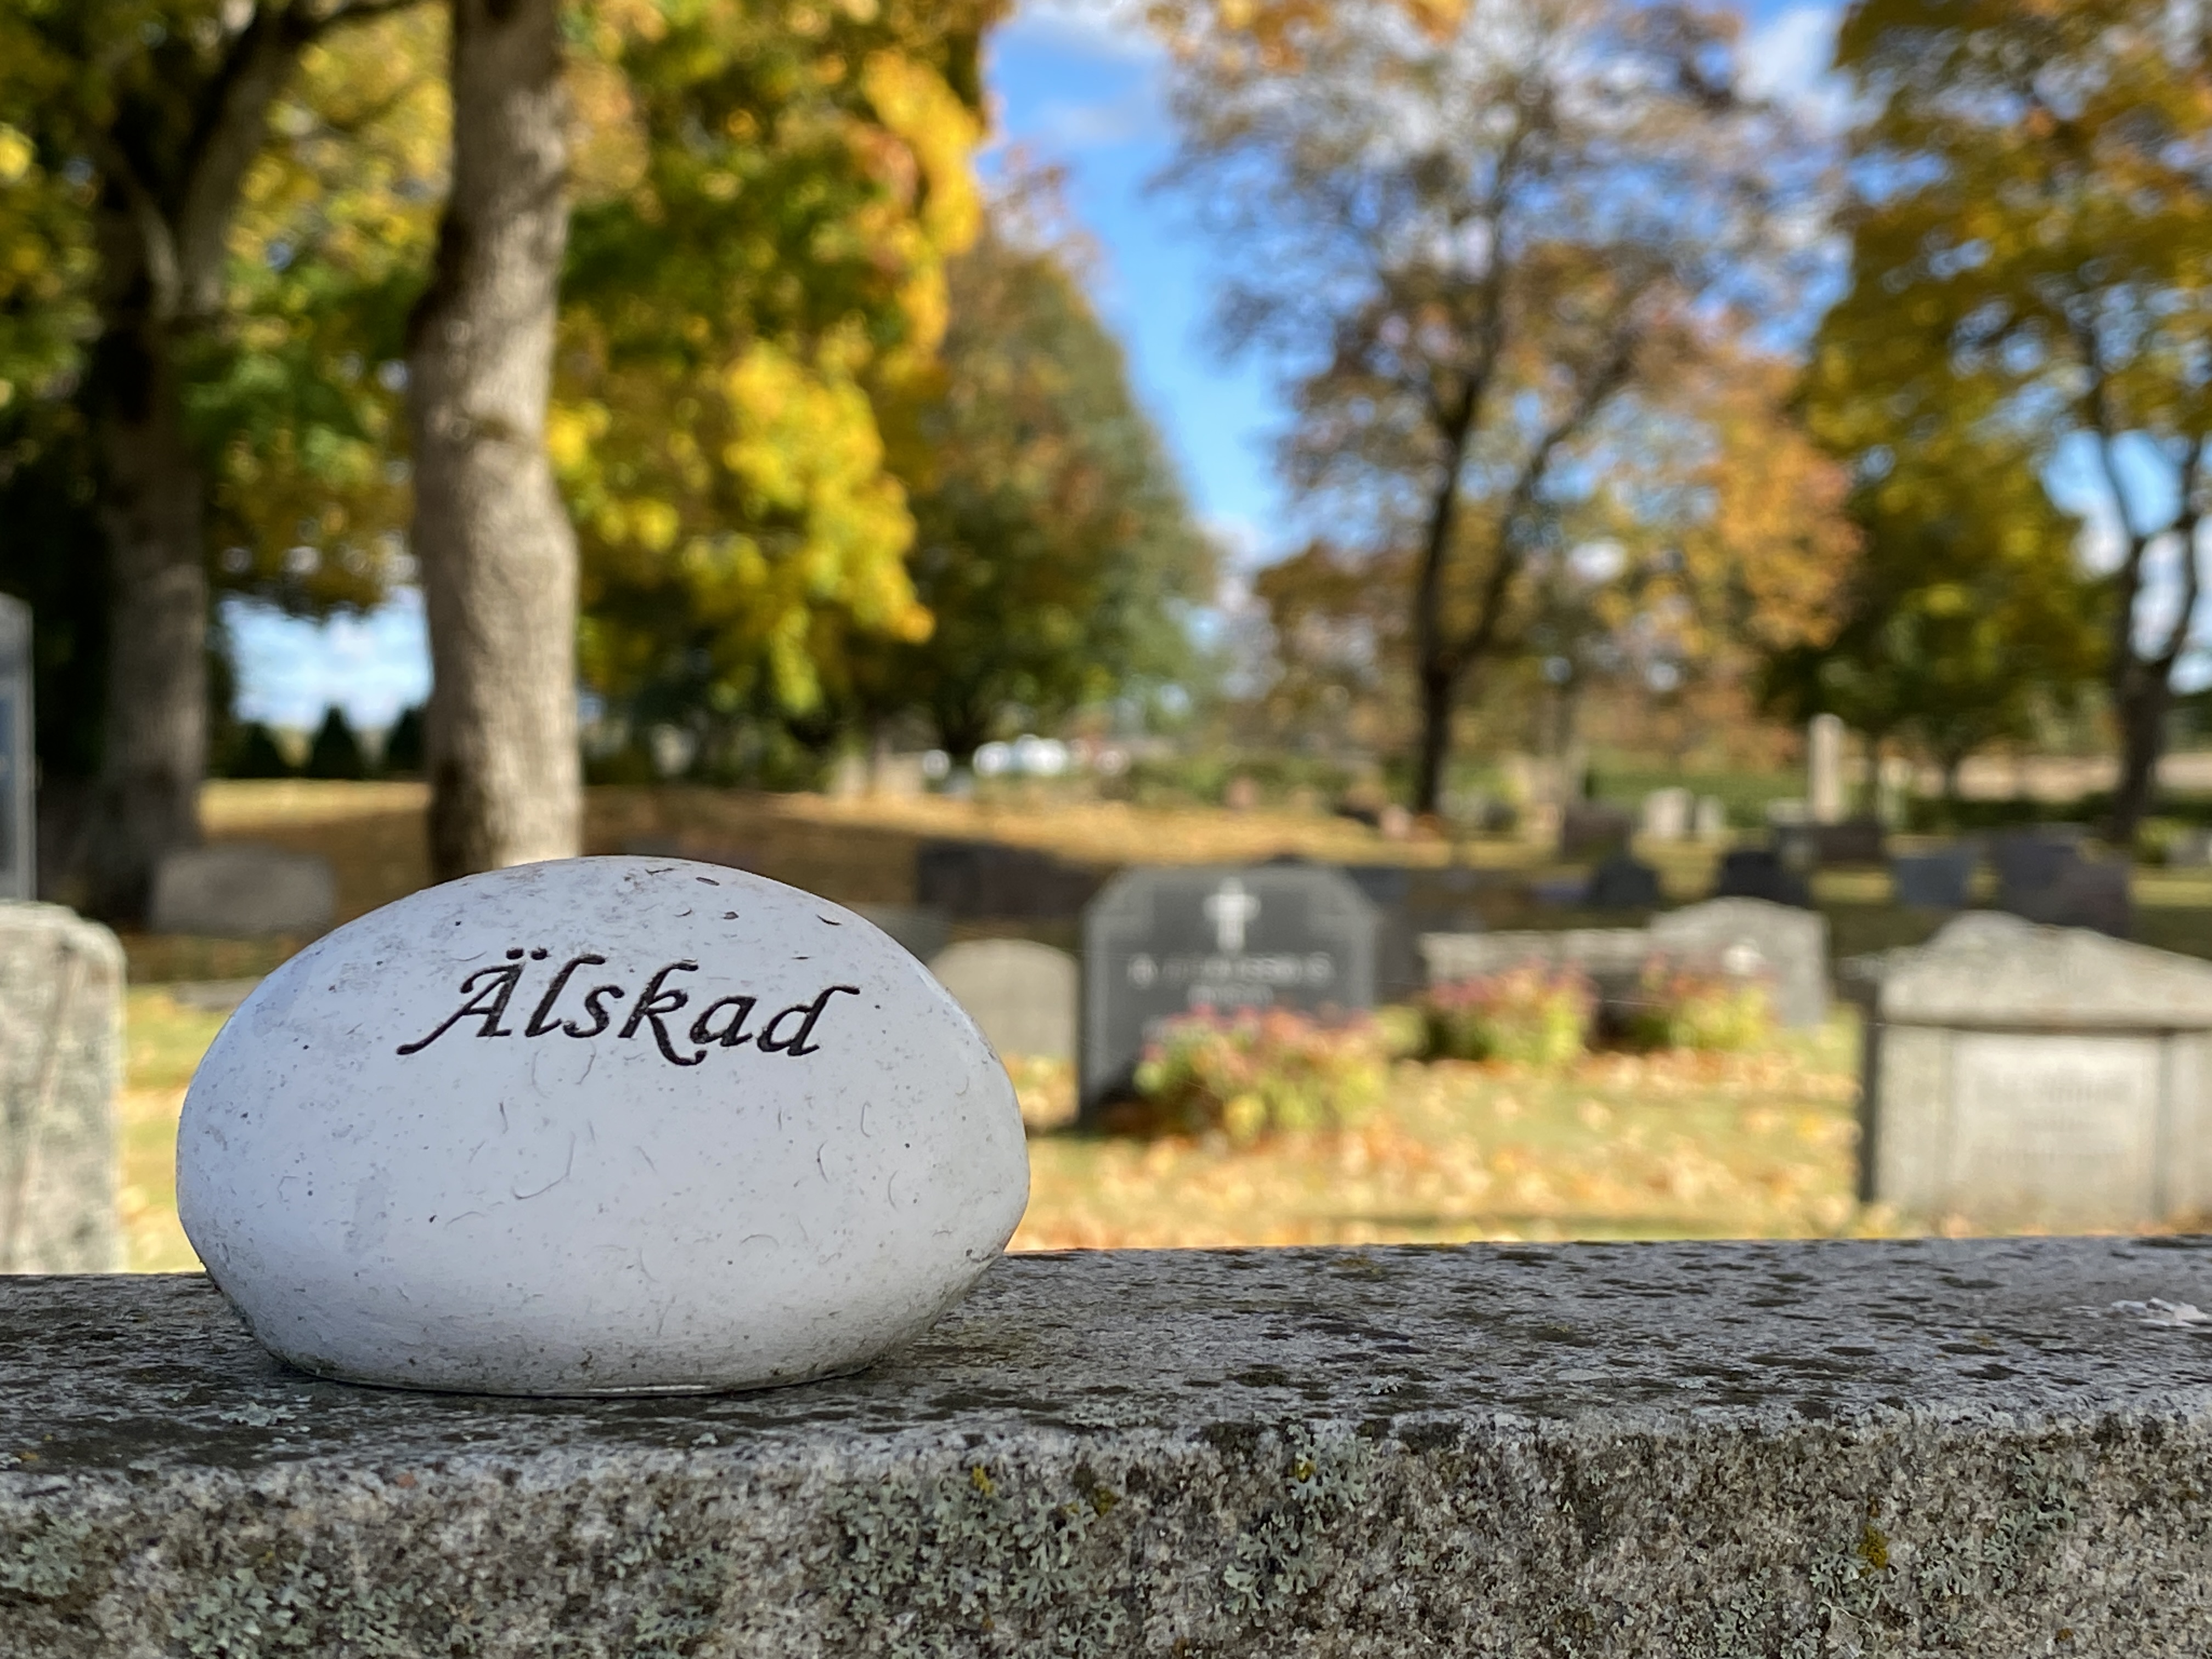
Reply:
x=1968 y=620
x=161 y=107
x=1482 y=237
x=1053 y=547
x=497 y=554
x=2032 y=254
x=767 y=201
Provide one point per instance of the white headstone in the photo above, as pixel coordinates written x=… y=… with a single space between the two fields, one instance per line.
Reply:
x=1712 y=820
x=2024 y=1076
x=1021 y=993
x=61 y=1062
x=599 y=1125
x=1782 y=944
x=1824 y=768
x=1667 y=814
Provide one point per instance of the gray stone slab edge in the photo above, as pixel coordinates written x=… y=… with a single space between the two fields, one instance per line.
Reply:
x=1994 y=1447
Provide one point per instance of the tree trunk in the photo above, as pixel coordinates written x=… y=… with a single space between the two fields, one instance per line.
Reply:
x=1434 y=756
x=2144 y=698
x=497 y=554
x=153 y=744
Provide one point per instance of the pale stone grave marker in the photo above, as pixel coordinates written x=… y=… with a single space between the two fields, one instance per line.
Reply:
x=2024 y=1076
x=1021 y=993
x=61 y=1063
x=1824 y=768
x=19 y=861
x=599 y=1126
x=1750 y=938
x=238 y=891
x=1158 y=943
x=1667 y=814
x=1711 y=821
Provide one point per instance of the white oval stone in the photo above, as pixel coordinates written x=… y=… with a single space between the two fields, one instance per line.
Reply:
x=602 y=1126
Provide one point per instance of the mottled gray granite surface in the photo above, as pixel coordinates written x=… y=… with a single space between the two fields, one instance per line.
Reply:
x=1992 y=1449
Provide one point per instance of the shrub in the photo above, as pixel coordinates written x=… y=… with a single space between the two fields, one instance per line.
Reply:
x=1259 y=1071
x=1535 y=1015
x=1683 y=1007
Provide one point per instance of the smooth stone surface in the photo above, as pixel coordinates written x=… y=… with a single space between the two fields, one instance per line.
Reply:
x=599 y=1126
x=1979 y=1449
x=1021 y=994
x=238 y=891
x=2018 y=1075
x=61 y=1063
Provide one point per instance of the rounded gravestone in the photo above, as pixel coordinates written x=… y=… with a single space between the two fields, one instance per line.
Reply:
x=602 y=1126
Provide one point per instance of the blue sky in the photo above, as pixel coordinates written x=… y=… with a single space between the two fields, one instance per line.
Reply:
x=1078 y=83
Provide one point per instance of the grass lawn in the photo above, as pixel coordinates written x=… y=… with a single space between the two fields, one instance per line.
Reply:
x=1675 y=1146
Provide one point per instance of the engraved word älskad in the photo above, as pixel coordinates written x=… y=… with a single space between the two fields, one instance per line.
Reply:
x=486 y=993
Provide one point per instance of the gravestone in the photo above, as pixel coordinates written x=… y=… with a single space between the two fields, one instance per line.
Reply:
x=1796 y=846
x=2024 y=1076
x=1388 y=888
x=1939 y=880
x=1758 y=872
x=61 y=1063
x=1158 y=943
x=1711 y=819
x=1850 y=841
x=1824 y=768
x=2093 y=896
x=19 y=816
x=1667 y=815
x=1021 y=993
x=1621 y=882
x=2028 y=861
x=923 y=930
x=235 y=890
x=1588 y=826
x=1752 y=939
x=971 y=879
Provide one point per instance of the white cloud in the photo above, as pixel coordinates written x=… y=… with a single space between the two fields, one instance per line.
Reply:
x=1789 y=58
x=290 y=668
x=1064 y=127
x=1112 y=29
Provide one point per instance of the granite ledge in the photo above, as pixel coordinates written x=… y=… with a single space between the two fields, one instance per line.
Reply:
x=1997 y=1448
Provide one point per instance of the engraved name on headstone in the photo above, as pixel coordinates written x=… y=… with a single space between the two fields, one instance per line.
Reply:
x=1158 y=943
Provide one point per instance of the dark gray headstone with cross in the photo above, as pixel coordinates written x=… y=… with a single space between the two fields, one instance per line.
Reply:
x=19 y=861
x=1158 y=943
